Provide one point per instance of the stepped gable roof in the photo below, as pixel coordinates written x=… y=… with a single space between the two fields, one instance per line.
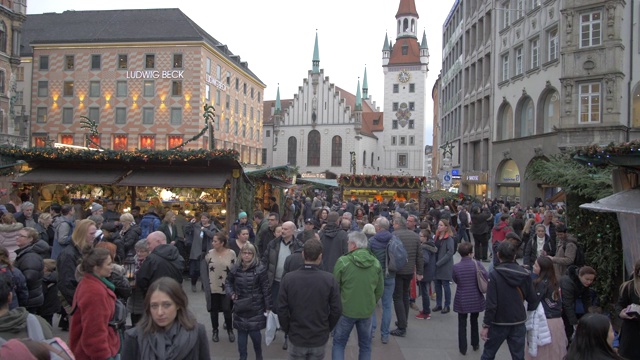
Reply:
x=119 y=26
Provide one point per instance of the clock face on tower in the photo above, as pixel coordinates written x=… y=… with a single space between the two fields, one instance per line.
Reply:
x=404 y=76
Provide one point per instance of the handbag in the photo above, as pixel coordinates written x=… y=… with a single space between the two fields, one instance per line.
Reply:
x=119 y=316
x=242 y=305
x=482 y=282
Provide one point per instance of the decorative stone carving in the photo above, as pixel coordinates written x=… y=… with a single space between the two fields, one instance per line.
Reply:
x=609 y=88
x=534 y=23
x=504 y=99
x=611 y=15
x=538 y=151
x=518 y=33
x=589 y=64
x=504 y=41
x=506 y=154
x=524 y=92
x=568 y=90
x=547 y=85
x=568 y=17
x=551 y=13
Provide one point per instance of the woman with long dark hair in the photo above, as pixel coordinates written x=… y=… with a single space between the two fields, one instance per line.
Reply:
x=444 y=266
x=593 y=341
x=630 y=327
x=168 y=329
x=548 y=292
x=214 y=269
x=576 y=297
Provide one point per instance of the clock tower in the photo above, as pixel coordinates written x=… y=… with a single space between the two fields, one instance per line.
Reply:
x=405 y=64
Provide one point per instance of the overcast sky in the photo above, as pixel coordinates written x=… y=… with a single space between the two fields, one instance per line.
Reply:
x=276 y=37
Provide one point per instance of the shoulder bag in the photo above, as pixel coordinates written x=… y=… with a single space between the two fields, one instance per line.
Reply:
x=482 y=282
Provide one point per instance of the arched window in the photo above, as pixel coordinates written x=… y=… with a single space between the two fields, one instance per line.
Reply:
x=505 y=122
x=372 y=159
x=2 y=83
x=364 y=158
x=526 y=124
x=336 y=151
x=3 y=37
x=550 y=114
x=291 y=150
x=313 y=152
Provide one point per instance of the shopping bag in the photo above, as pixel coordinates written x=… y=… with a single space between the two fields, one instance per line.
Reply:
x=272 y=325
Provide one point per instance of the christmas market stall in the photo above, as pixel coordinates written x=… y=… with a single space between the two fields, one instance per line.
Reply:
x=189 y=180
x=271 y=182
x=381 y=187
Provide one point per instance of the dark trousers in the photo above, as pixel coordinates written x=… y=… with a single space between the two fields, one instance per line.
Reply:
x=462 y=332
x=243 y=340
x=481 y=246
x=401 y=296
x=217 y=306
x=275 y=290
x=194 y=271
x=515 y=336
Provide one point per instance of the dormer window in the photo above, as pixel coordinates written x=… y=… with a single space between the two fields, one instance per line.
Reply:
x=405 y=49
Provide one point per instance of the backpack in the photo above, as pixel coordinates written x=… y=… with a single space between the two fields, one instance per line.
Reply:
x=59 y=350
x=396 y=255
x=580 y=259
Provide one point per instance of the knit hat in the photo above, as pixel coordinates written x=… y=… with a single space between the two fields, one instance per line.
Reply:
x=242 y=215
x=95 y=207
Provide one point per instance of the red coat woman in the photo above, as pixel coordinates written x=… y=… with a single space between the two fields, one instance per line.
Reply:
x=90 y=336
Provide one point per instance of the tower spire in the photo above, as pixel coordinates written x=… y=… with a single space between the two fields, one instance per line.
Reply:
x=365 y=85
x=316 y=57
x=358 y=98
x=278 y=104
x=407 y=19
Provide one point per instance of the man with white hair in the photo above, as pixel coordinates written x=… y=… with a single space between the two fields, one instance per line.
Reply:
x=27 y=217
x=359 y=275
x=349 y=216
x=163 y=260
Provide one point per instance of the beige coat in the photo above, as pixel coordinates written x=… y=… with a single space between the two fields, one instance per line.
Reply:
x=565 y=256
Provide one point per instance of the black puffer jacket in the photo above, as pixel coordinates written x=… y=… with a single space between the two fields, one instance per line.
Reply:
x=31 y=265
x=66 y=264
x=129 y=239
x=42 y=248
x=270 y=256
x=250 y=283
x=164 y=260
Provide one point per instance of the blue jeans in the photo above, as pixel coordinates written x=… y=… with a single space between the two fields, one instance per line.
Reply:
x=446 y=285
x=515 y=336
x=387 y=298
x=243 y=340
x=423 y=286
x=341 y=337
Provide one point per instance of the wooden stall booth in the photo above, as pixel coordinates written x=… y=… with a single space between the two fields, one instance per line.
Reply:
x=381 y=187
x=192 y=181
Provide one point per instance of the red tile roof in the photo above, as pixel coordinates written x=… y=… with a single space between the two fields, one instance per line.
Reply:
x=413 y=52
x=407 y=7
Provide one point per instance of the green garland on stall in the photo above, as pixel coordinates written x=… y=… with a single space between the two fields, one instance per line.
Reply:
x=599 y=233
x=244 y=198
x=69 y=154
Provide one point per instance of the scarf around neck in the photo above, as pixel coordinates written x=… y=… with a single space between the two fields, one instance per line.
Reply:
x=174 y=343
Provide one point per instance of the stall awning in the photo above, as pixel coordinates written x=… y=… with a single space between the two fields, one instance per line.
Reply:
x=71 y=176
x=622 y=202
x=175 y=178
x=326 y=183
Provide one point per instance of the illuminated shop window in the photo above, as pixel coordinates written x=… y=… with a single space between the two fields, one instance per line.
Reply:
x=120 y=142
x=148 y=142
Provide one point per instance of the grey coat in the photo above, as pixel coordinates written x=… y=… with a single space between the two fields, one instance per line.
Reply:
x=444 y=259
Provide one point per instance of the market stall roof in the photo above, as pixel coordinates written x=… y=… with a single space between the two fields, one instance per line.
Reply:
x=175 y=177
x=621 y=202
x=281 y=176
x=72 y=176
x=327 y=183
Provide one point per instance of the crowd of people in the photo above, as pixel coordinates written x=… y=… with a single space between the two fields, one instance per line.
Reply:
x=115 y=280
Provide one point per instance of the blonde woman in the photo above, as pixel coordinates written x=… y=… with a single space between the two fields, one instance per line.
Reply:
x=248 y=286
x=67 y=262
x=130 y=233
x=44 y=228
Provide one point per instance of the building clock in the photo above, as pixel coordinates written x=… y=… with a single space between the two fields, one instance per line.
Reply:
x=404 y=76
